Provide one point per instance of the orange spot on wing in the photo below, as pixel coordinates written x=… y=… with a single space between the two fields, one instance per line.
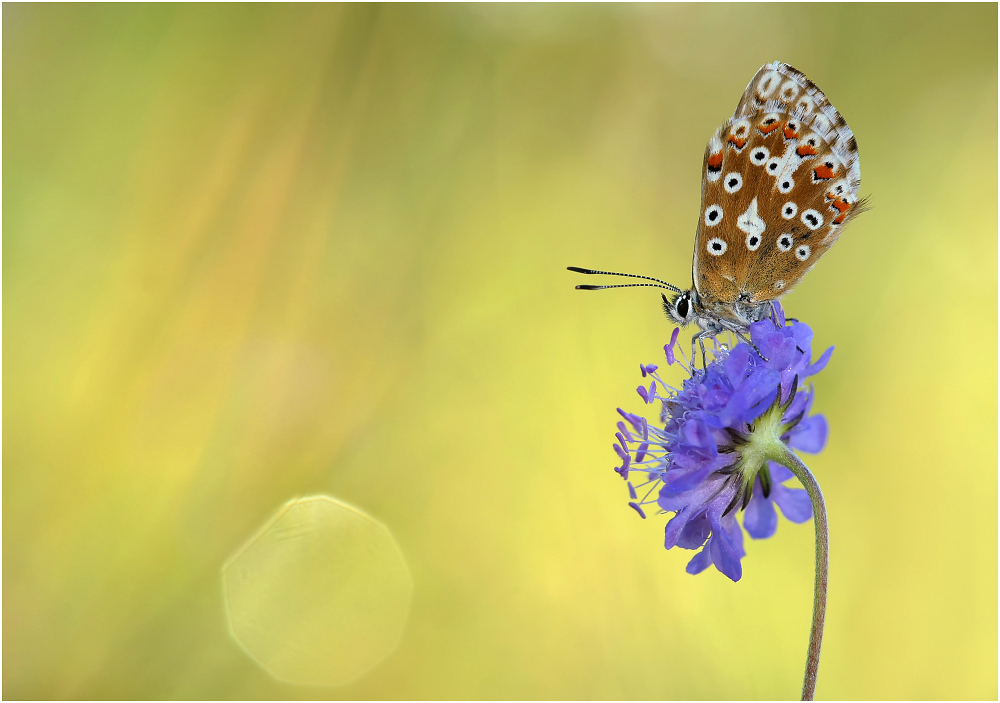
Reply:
x=806 y=150
x=767 y=129
x=840 y=206
x=733 y=139
x=823 y=172
x=715 y=161
x=790 y=133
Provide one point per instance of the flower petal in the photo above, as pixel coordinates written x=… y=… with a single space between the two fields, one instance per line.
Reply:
x=695 y=532
x=674 y=528
x=803 y=335
x=820 y=363
x=725 y=556
x=699 y=562
x=794 y=503
x=760 y=519
x=809 y=435
x=736 y=365
x=779 y=474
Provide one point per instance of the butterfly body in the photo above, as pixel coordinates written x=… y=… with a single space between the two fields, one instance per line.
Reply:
x=780 y=182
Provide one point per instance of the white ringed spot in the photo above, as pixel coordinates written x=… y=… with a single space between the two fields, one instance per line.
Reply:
x=759 y=155
x=733 y=182
x=803 y=251
x=773 y=167
x=785 y=185
x=753 y=241
x=812 y=219
x=713 y=215
x=717 y=246
x=768 y=83
x=789 y=210
x=785 y=242
x=788 y=91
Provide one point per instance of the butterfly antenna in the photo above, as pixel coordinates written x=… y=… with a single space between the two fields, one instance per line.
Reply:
x=661 y=284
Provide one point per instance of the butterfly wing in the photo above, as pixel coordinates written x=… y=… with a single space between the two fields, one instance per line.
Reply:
x=779 y=183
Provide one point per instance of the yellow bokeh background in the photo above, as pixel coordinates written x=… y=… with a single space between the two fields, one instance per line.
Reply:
x=252 y=252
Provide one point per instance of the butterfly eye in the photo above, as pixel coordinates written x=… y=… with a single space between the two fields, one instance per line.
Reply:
x=682 y=307
x=713 y=215
x=786 y=185
x=716 y=246
x=802 y=253
x=753 y=241
x=788 y=210
x=812 y=219
x=759 y=156
x=785 y=242
x=734 y=182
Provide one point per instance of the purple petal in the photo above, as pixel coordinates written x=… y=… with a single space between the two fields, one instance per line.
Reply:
x=809 y=435
x=641 y=390
x=631 y=491
x=635 y=506
x=779 y=350
x=730 y=525
x=622 y=454
x=794 y=502
x=820 y=363
x=695 y=533
x=736 y=365
x=683 y=480
x=724 y=553
x=674 y=528
x=759 y=519
x=803 y=335
x=699 y=562
x=779 y=474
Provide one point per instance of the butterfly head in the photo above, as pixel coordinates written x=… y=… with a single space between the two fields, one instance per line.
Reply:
x=681 y=309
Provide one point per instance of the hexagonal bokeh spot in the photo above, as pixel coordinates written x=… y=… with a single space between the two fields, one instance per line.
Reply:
x=319 y=595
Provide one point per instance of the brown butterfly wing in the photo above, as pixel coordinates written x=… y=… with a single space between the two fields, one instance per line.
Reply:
x=779 y=183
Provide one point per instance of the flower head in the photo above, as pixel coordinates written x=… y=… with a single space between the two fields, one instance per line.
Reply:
x=721 y=432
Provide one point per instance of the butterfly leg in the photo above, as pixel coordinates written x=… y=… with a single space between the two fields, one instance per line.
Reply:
x=699 y=337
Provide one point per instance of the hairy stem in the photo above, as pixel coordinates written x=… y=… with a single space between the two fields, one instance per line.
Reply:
x=801 y=471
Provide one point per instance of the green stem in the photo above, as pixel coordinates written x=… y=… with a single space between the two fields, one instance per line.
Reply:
x=795 y=465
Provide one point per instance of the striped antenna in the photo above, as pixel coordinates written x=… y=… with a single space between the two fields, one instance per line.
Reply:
x=658 y=284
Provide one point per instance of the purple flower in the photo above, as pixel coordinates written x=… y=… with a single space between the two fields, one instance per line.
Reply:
x=710 y=456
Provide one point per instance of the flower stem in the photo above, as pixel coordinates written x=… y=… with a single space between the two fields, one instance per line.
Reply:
x=801 y=471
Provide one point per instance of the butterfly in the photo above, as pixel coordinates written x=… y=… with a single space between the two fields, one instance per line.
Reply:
x=780 y=182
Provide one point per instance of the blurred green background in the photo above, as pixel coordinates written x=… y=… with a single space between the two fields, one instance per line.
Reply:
x=254 y=252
